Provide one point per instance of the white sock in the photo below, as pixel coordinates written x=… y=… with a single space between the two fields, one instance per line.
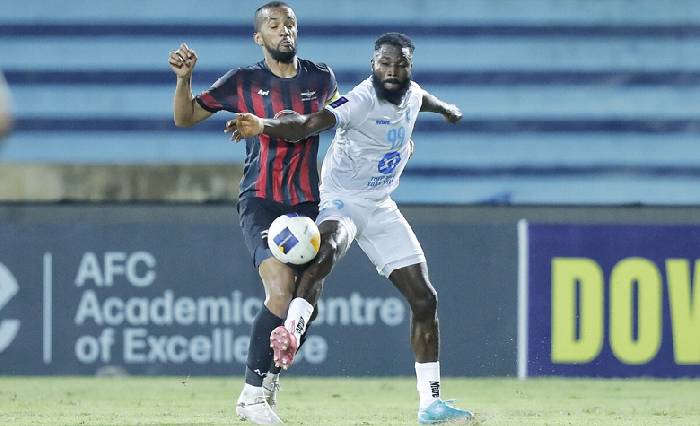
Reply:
x=249 y=392
x=271 y=378
x=428 y=384
x=298 y=316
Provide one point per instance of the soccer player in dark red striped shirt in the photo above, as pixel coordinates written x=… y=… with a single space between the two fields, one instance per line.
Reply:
x=279 y=177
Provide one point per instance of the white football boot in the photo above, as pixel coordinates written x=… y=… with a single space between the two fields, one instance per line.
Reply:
x=443 y=412
x=255 y=409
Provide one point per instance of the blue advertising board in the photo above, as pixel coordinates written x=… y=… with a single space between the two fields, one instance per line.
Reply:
x=164 y=299
x=130 y=290
x=609 y=300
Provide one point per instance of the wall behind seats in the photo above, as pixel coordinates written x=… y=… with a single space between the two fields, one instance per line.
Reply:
x=565 y=101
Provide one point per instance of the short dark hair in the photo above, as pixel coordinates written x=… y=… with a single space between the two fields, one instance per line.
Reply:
x=396 y=39
x=270 y=5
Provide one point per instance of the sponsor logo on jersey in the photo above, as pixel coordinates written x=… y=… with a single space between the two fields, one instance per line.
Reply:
x=262 y=92
x=380 y=122
x=340 y=101
x=389 y=162
x=378 y=181
x=309 y=95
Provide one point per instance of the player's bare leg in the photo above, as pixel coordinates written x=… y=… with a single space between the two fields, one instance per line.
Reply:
x=413 y=283
x=279 y=283
x=284 y=339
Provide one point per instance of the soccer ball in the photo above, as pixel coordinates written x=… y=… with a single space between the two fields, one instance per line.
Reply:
x=293 y=238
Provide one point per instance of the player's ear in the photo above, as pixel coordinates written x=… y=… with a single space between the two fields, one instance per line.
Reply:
x=257 y=38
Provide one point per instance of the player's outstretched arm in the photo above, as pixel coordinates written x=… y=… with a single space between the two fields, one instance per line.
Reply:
x=433 y=104
x=186 y=111
x=292 y=127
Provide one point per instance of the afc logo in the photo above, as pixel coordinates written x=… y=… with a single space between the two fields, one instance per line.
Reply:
x=388 y=163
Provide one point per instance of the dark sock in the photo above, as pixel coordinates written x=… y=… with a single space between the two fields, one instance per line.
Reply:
x=308 y=326
x=302 y=339
x=259 y=351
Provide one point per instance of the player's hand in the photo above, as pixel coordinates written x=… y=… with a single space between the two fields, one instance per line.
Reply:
x=452 y=114
x=244 y=126
x=182 y=61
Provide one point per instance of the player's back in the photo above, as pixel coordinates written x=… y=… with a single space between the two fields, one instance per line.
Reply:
x=372 y=142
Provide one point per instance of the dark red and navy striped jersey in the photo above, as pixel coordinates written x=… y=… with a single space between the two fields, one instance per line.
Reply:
x=274 y=168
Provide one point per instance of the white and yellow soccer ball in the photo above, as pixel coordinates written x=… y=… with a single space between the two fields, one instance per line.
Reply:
x=293 y=238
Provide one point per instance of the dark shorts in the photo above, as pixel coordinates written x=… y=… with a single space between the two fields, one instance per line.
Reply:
x=256 y=215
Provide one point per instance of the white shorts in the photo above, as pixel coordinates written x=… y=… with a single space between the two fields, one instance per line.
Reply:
x=378 y=227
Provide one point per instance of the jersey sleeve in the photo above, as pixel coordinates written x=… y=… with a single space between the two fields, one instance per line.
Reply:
x=351 y=110
x=332 y=94
x=420 y=91
x=222 y=95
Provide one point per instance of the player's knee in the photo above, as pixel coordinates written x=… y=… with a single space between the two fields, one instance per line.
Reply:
x=323 y=262
x=424 y=307
x=279 y=290
x=278 y=306
x=328 y=251
x=310 y=289
x=277 y=301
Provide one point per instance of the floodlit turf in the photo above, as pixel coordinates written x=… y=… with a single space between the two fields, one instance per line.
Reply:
x=343 y=401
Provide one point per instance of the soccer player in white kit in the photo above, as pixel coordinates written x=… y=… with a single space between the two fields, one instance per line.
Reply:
x=372 y=144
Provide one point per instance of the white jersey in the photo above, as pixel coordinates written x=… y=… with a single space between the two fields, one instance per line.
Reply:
x=372 y=142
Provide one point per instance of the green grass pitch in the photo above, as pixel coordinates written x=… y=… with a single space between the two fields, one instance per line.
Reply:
x=345 y=401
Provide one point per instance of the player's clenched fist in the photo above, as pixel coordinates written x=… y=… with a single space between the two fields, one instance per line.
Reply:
x=453 y=113
x=244 y=126
x=182 y=61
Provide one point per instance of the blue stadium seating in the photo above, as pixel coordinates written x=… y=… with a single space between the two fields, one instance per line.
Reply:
x=566 y=101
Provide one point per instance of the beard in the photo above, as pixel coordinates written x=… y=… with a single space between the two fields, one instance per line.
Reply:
x=394 y=96
x=286 y=57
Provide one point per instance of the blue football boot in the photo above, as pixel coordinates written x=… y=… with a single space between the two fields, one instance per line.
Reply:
x=440 y=412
